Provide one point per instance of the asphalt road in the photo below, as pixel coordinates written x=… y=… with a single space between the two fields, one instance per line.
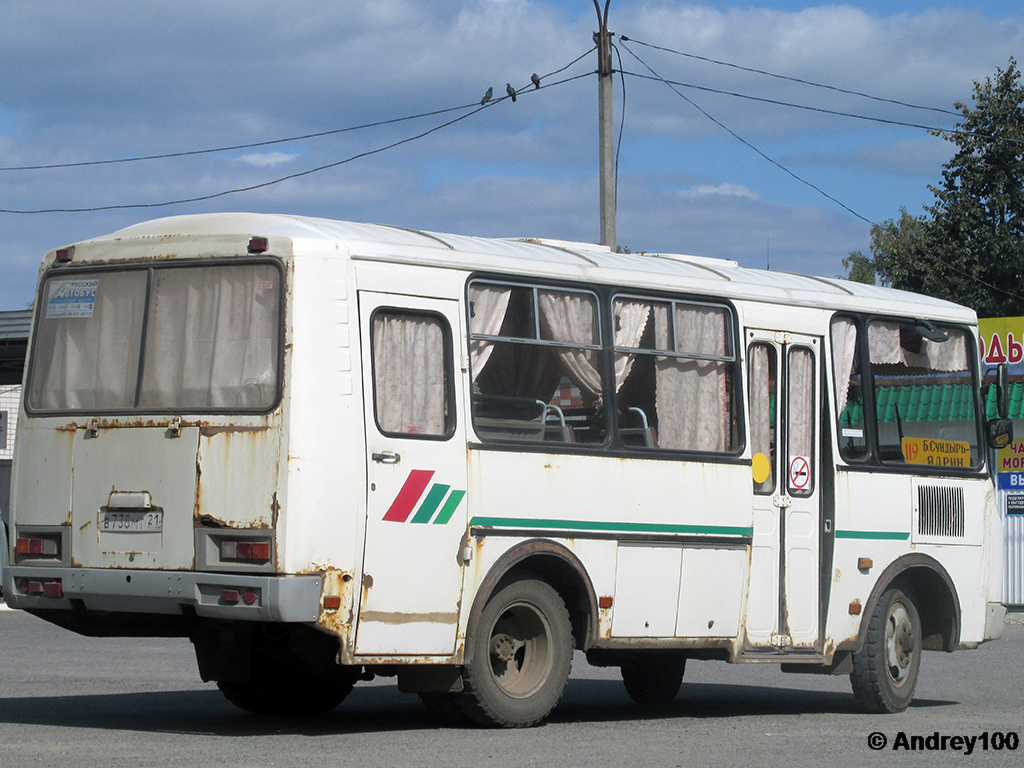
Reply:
x=72 y=701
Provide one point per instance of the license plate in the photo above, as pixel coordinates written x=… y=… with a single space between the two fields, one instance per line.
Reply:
x=143 y=521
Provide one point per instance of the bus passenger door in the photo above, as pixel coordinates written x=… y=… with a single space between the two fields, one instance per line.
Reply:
x=416 y=476
x=784 y=393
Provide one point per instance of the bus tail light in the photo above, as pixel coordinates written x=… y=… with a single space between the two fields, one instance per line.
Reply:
x=47 y=546
x=245 y=550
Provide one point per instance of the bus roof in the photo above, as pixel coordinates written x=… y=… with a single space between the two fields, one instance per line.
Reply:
x=547 y=258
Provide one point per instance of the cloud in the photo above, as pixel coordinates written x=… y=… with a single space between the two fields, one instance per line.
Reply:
x=244 y=71
x=266 y=159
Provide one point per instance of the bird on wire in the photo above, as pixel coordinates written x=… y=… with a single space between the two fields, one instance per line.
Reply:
x=535 y=79
x=487 y=96
x=510 y=91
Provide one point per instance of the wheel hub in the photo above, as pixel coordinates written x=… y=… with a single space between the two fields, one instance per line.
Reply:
x=503 y=648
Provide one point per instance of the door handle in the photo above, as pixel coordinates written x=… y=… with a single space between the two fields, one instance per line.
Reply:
x=387 y=457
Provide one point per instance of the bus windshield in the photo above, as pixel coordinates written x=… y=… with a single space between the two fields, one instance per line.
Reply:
x=178 y=338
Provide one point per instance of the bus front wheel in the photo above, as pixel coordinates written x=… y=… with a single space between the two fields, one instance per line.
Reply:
x=885 y=669
x=521 y=657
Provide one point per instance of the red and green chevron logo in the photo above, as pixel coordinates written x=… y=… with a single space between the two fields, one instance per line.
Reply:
x=437 y=506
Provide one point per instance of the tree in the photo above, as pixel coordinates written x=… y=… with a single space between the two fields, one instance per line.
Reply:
x=969 y=245
x=859 y=268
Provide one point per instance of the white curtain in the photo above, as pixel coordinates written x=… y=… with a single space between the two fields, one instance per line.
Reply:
x=884 y=341
x=408 y=374
x=489 y=304
x=572 y=318
x=630 y=322
x=90 y=360
x=692 y=402
x=844 y=348
x=212 y=338
x=760 y=411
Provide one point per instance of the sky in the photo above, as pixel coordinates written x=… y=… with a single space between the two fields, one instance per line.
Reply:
x=108 y=80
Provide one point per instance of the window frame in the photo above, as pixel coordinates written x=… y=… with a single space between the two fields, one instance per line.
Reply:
x=448 y=362
x=605 y=296
x=872 y=461
x=83 y=271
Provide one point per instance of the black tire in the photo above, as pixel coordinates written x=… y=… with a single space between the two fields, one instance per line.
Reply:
x=885 y=669
x=655 y=680
x=521 y=655
x=288 y=691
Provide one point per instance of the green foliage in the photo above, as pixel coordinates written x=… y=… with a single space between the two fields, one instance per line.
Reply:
x=968 y=247
x=859 y=268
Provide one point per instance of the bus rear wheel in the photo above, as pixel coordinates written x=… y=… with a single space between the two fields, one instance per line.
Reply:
x=655 y=680
x=288 y=692
x=521 y=657
x=885 y=670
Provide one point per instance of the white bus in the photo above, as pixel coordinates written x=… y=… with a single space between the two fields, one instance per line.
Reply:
x=325 y=451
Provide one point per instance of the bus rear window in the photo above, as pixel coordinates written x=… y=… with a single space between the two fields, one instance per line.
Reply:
x=181 y=338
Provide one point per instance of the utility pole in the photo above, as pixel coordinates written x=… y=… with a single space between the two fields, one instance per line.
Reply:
x=606 y=125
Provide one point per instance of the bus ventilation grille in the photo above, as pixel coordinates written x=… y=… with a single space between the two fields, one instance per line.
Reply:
x=940 y=510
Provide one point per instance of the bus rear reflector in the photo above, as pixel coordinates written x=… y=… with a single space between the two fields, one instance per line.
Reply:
x=45 y=588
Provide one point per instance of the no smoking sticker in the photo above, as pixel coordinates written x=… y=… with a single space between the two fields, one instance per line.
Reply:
x=799 y=473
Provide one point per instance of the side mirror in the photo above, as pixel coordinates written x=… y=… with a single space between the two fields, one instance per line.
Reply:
x=999 y=433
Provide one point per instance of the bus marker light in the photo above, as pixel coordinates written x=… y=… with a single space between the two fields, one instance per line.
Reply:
x=258 y=244
x=229 y=596
x=605 y=601
x=332 y=603
x=249 y=597
x=855 y=608
x=864 y=563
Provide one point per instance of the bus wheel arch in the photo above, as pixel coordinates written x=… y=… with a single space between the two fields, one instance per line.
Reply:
x=556 y=566
x=935 y=599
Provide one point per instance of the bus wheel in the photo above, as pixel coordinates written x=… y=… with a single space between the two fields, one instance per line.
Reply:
x=654 y=680
x=288 y=691
x=521 y=656
x=885 y=670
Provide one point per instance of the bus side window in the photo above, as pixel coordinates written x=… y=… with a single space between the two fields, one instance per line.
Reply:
x=411 y=374
x=535 y=359
x=846 y=368
x=924 y=394
x=674 y=367
x=763 y=375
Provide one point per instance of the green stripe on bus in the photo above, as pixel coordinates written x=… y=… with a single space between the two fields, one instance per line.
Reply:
x=449 y=507
x=430 y=503
x=893 y=535
x=589 y=525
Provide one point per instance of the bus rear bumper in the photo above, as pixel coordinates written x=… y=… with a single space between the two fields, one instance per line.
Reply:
x=293 y=599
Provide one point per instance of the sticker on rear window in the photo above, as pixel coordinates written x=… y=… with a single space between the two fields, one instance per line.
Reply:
x=71 y=298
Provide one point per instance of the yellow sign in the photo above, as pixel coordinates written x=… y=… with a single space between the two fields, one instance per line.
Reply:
x=1011 y=458
x=1002 y=340
x=936 y=453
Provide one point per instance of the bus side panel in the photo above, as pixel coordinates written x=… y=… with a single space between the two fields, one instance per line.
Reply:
x=323 y=510
x=667 y=540
x=877 y=518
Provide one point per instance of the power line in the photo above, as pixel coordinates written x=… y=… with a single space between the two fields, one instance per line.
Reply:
x=842 y=205
x=299 y=174
x=739 y=138
x=189 y=153
x=791 y=79
x=270 y=142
